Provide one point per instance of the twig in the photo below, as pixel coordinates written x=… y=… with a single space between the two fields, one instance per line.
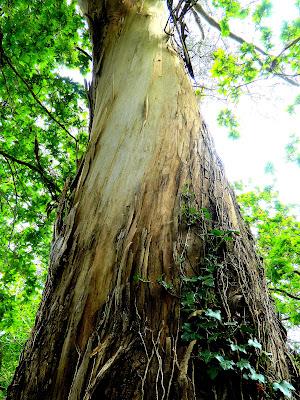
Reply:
x=198 y=22
x=52 y=187
x=199 y=9
x=84 y=52
x=287 y=47
x=6 y=58
x=285 y=293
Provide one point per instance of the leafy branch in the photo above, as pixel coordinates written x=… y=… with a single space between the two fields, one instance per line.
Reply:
x=84 y=52
x=285 y=293
x=49 y=113
x=211 y=21
x=5 y=59
x=49 y=183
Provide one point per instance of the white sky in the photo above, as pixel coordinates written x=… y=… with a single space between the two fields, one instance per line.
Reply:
x=265 y=126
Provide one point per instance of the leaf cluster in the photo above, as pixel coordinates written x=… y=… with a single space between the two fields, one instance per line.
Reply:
x=277 y=230
x=43 y=132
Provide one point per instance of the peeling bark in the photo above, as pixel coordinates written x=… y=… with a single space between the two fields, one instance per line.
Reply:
x=106 y=327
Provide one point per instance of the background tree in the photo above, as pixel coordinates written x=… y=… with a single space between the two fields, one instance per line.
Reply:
x=147 y=234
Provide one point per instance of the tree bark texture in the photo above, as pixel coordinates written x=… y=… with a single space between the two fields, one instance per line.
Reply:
x=109 y=325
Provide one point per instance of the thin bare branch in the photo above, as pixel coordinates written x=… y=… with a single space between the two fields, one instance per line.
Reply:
x=84 y=52
x=285 y=293
x=211 y=21
x=36 y=98
x=199 y=9
x=288 y=46
x=52 y=187
x=198 y=22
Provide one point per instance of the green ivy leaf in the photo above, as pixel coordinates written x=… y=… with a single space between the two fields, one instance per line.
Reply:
x=207 y=355
x=214 y=314
x=224 y=363
x=217 y=232
x=208 y=280
x=254 y=343
x=243 y=364
x=237 y=347
x=254 y=376
x=285 y=387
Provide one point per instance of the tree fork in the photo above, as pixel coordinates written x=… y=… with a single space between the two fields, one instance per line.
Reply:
x=109 y=325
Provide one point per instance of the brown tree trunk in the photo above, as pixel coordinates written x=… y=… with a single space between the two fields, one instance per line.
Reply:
x=136 y=227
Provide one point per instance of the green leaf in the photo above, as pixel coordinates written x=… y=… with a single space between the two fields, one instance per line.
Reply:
x=254 y=376
x=224 y=363
x=217 y=232
x=207 y=355
x=208 y=280
x=237 y=347
x=214 y=314
x=213 y=372
x=188 y=300
x=190 y=279
x=225 y=31
x=285 y=387
x=243 y=364
x=254 y=343
x=206 y=213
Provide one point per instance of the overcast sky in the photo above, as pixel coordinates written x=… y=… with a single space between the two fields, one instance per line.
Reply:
x=265 y=126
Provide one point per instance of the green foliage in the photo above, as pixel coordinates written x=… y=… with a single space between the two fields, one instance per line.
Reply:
x=13 y=337
x=266 y=37
x=278 y=239
x=227 y=119
x=190 y=213
x=43 y=131
x=225 y=30
x=261 y=11
x=247 y=62
x=167 y=285
x=224 y=346
x=254 y=343
x=284 y=387
x=292 y=149
x=269 y=168
x=291 y=108
x=231 y=8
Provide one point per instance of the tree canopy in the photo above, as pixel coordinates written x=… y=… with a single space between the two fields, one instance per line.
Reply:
x=44 y=130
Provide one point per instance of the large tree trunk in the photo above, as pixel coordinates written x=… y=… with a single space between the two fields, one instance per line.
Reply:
x=110 y=322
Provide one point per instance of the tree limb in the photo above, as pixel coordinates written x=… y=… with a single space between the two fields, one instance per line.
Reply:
x=199 y=9
x=52 y=187
x=198 y=22
x=6 y=58
x=84 y=52
x=285 y=293
x=288 y=46
x=211 y=21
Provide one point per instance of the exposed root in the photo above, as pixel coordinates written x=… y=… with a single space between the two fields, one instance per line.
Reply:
x=183 y=370
x=123 y=348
